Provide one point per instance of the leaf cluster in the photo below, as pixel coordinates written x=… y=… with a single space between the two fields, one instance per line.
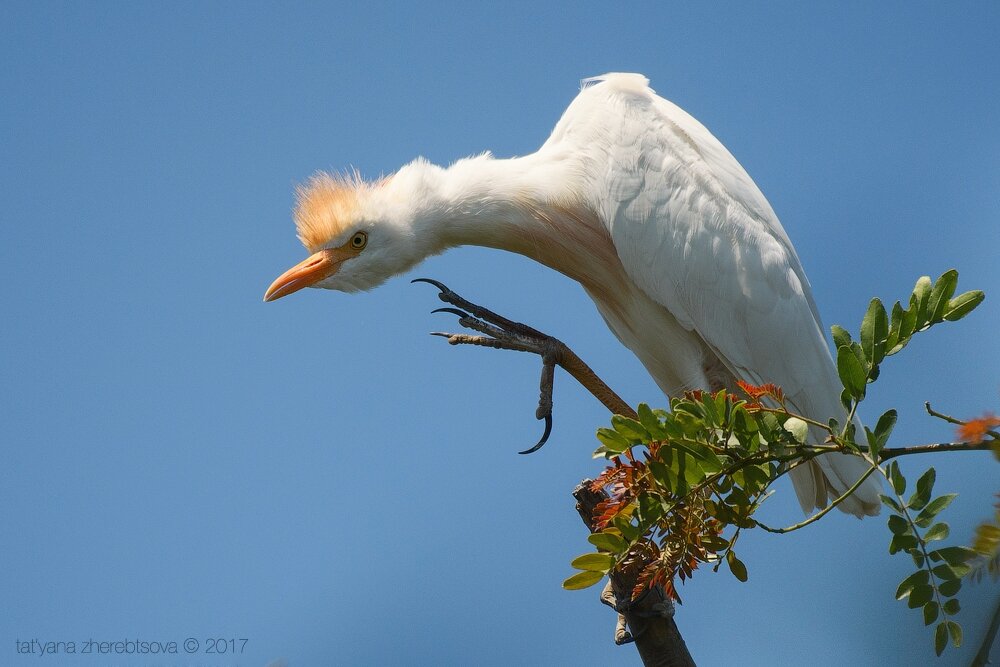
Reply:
x=938 y=577
x=911 y=522
x=684 y=483
x=703 y=469
x=884 y=334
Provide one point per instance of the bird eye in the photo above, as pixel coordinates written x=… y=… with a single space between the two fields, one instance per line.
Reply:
x=359 y=240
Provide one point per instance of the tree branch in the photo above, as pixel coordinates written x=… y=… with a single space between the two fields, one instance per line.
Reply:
x=656 y=636
x=893 y=452
x=983 y=656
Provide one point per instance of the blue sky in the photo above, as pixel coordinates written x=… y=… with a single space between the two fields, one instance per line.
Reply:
x=321 y=477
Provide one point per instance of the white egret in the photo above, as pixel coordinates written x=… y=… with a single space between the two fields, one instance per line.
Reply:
x=634 y=199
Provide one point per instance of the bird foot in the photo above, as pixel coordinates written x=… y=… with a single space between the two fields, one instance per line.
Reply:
x=622 y=634
x=503 y=334
x=638 y=609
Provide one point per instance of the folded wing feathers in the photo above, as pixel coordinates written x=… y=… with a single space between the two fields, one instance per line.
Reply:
x=696 y=235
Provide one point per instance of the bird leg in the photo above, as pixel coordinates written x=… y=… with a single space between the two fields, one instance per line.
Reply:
x=634 y=616
x=501 y=333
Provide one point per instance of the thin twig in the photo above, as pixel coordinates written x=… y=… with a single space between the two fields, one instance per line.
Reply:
x=934 y=413
x=819 y=515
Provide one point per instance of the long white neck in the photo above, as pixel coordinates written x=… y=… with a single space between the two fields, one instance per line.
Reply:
x=523 y=205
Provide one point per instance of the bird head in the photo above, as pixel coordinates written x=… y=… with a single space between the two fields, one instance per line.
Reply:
x=359 y=234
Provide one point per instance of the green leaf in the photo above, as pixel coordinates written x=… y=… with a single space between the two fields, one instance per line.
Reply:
x=693 y=474
x=921 y=296
x=594 y=562
x=897 y=479
x=841 y=337
x=955 y=630
x=582 y=580
x=672 y=427
x=930 y=612
x=850 y=433
x=962 y=305
x=710 y=462
x=920 y=595
x=898 y=525
x=738 y=497
x=695 y=450
x=852 y=373
x=612 y=440
x=944 y=288
x=845 y=400
x=679 y=465
x=938 y=531
x=901 y=543
x=663 y=475
x=714 y=542
x=909 y=322
x=895 y=322
x=713 y=414
x=650 y=422
x=940 y=637
x=883 y=429
x=608 y=542
x=725 y=406
x=952 y=607
x=907 y=325
x=650 y=509
x=630 y=429
x=625 y=527
x=951 y=572
x=926 y=517
x=953 y=555
x=736 y=566
x=874 y=332
x=890 y=503
x=949 y=588
x=923 y=493
x=918 y=578
x=756 y=478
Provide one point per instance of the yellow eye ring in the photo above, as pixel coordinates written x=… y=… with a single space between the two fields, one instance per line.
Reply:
x=359 y=240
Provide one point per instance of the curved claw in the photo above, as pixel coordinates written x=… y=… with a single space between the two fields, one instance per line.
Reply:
x=453 y=311
x=431 y=281
x=545 y=436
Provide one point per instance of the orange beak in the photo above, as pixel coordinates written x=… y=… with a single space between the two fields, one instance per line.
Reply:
x=313 y=269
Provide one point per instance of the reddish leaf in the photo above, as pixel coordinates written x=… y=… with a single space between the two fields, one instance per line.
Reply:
x=765 y=390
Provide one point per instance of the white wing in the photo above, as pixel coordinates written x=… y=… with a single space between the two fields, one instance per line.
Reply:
x=696 y=235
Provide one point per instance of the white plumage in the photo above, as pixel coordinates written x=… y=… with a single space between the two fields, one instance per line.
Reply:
x=636 y=200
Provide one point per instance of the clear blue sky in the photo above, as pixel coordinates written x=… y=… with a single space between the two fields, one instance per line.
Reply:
x=321 y=477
